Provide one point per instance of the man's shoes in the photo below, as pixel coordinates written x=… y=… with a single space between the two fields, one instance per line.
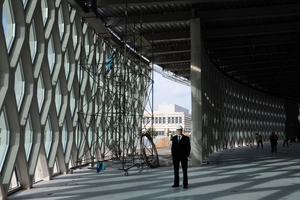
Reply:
x=185 y=186
x=173 y=186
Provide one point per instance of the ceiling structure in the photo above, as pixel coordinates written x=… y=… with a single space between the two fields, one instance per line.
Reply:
x=256 y=43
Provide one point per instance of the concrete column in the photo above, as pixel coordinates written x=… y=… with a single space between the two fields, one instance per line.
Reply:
x=196 y=140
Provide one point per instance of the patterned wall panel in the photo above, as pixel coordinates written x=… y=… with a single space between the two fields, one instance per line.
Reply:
x=233 y=113
x=60 y=100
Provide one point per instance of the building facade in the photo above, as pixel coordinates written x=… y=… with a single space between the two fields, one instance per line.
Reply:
x=167 y=117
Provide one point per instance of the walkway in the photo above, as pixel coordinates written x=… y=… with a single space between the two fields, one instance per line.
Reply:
x=244 y=173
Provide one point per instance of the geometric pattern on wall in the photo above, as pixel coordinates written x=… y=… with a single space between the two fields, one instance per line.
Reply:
x=58 y=103
x=233 y=113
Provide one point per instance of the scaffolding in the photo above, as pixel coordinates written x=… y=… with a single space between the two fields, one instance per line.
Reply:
x=111 y=116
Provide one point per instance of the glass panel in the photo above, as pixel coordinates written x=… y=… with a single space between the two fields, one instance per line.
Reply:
x=51 y=54
x=58 y=97
x=14 y=181
x=72 y=101
x=101 y=139
x=91 y=141
x=4 y=137
x=78 y=136
x=19 y=84
x=40 y=92
x=44 y=6
x=67 y=64
x=25 y=3
x=61 y=25
x=28 y=137
x=64 y=136
x=69 y=7
x=90 y=137
x=48 y=137
x=8 y=23
x=74 y=35
x=56 y=167
x=91 y=76
x=32 y=41
x=85 y=105
x=79 y=72
x=96 y=106
x=86 y=45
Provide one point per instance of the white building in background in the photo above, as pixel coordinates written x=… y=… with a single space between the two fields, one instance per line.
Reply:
x=167 y=118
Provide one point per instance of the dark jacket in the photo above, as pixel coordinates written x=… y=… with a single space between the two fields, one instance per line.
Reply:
x=181 y=149
x=273 y=139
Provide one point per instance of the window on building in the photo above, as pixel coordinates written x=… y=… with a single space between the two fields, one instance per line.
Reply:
x=159 y=120
x=169 y=120
x=172 y=120
x=180 y=120
x=156 y=120
x=160 y=132
x=164 y=120
x=176 y=120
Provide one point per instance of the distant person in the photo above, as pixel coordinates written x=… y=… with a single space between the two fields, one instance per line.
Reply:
x=180 y=151
x=170 y=140
x=273 y=140
x=285 y=139
x=259 y=140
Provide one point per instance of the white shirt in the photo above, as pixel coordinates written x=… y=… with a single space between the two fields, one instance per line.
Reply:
x=179 y=137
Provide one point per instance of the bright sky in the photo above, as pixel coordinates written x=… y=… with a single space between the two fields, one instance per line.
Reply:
x=170 y=92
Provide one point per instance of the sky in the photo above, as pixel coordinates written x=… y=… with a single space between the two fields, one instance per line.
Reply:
x=170 y=92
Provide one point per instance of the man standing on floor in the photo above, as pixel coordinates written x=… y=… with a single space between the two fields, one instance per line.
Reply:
x=180 y=151
x=273 y=140
x=259 y=140
x=285 y=139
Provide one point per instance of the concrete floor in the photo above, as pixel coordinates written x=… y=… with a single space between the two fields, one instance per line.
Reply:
x=241 y=173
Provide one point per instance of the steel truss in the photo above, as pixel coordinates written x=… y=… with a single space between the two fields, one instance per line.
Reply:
x=112 y=117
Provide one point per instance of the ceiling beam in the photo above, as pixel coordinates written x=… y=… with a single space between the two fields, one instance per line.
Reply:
x=169 y=36
x=171 y=49
x=139 y=21
x=269 y=64
x=267 y=78
x=176 y=67
x=249 y=13
x=250 y=42
x=169 y=60
x=122 y=3
x=251 y=30
x=253 y=73
x=211 y=15
x=248 y=52
x=258 y=60
x=227 y=32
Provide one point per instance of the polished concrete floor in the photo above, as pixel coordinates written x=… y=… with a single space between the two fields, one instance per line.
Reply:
x=240 y=173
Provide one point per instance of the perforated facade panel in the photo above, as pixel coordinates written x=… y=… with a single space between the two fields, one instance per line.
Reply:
x=67 y=95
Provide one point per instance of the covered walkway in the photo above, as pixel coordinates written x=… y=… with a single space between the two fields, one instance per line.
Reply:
x=239 y=173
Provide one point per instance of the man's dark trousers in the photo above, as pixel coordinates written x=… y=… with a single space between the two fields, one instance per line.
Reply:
x=183 y=162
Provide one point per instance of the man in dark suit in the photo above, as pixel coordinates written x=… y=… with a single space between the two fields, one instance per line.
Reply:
x=180 y=150
x=273 y=140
